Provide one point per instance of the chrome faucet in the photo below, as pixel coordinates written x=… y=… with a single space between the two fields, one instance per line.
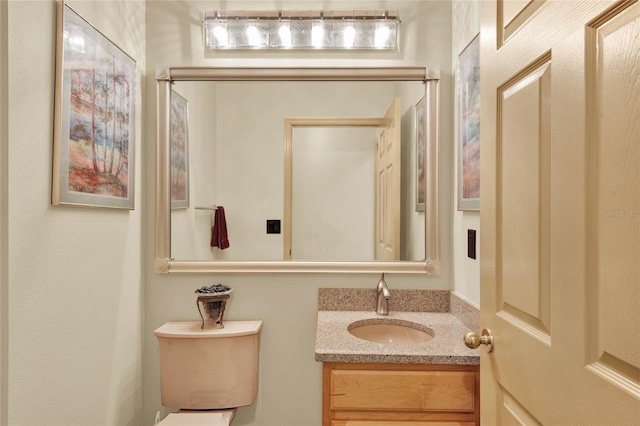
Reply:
x=382 y=305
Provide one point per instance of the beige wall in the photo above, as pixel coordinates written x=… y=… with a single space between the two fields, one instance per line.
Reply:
x=4 y=111
x=290 y=383
x=74 y=274
x=465 y=26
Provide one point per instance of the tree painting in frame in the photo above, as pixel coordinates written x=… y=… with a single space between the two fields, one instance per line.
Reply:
x=469 y=127
x=179 y=151
x=93 y=164
x=421 y=153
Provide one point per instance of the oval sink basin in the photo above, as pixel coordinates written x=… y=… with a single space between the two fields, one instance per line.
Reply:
x=391 y=332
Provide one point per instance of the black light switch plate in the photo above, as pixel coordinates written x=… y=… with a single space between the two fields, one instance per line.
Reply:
x=471 y=243
x=273 y=226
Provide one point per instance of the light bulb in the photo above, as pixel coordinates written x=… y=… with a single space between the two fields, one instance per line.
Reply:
x=253 y=35
x=221 y=35
x=382 y=36
x=349 y=36
x=285 y=35
x=317 y=35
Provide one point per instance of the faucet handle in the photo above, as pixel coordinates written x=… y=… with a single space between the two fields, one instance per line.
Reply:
x=382 y=286
x=382 y=307
x=382 y=283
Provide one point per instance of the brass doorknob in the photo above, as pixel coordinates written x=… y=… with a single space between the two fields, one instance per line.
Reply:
x=472 y=340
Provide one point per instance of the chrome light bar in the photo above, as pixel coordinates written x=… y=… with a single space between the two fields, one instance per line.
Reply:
x=327 y=29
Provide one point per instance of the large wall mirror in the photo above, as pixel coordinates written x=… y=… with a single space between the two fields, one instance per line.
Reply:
x=316 y=169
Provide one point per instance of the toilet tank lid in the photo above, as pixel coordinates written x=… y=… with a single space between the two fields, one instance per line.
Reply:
x=192 y=330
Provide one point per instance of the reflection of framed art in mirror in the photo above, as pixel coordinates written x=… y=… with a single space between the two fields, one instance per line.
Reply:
x=179 y=151
x=421 y=151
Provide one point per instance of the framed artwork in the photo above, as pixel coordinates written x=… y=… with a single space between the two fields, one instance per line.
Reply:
x=179 y=151
x=94 y=122
x=421 y=152
x=469 y=127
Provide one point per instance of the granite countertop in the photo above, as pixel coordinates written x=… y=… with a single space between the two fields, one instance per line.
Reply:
x=435 y=310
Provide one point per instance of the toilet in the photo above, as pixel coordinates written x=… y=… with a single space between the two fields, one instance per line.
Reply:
x=207 y=373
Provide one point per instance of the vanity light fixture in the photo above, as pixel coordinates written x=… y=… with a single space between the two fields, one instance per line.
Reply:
x=326 y=29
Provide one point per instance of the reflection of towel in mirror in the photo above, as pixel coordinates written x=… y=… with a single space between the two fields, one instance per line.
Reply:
x=219 y=236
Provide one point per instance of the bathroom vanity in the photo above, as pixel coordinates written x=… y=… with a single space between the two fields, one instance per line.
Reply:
x=410 y=366
x=386 y=394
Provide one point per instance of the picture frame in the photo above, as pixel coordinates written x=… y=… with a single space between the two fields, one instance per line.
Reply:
x=179 y=140
x=421 y=153
x=469 y=126
x=94 y=117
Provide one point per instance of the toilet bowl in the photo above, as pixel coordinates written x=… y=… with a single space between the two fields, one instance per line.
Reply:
x=207 y=373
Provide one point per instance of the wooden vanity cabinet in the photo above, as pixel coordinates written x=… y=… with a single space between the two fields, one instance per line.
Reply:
x=356 y=394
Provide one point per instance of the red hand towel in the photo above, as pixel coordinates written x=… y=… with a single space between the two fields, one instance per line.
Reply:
x=219 y=235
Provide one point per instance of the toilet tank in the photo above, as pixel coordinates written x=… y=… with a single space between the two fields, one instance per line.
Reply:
x=210 y=368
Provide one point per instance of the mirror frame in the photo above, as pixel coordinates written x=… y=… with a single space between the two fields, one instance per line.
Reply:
x=162 y=247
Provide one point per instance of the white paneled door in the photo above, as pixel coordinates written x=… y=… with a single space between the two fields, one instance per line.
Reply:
x=560 y=212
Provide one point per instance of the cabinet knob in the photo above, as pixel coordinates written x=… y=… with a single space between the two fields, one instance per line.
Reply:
x=473 y=341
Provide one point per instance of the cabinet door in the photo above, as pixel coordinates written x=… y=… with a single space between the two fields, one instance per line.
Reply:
x=395 y=423
x=402 y=390
x=400 y=394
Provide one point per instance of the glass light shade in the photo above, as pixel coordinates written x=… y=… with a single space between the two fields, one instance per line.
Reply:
x=301 y=33
x=237 y=34
x=258 y=33
x=218 y=35
x=321 y=34
x=386 y=34
x=364 y=26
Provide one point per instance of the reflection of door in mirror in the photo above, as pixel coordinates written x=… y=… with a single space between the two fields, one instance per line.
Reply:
x=342 y=188
x=388 y=168
x=332 y=194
